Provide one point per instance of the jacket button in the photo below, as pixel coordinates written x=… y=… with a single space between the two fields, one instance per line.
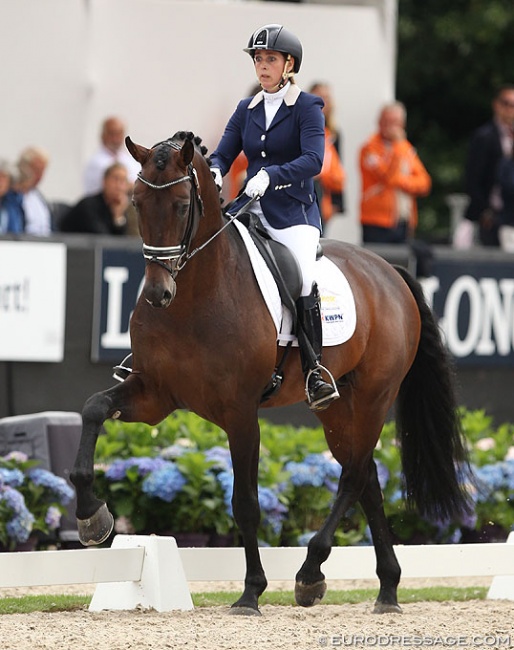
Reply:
x=263 y=154
x=263 y=136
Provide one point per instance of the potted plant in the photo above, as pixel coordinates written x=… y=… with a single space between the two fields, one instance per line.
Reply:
x=32 y=501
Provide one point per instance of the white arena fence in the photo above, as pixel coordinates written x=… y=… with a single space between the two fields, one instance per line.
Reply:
x=151 y=572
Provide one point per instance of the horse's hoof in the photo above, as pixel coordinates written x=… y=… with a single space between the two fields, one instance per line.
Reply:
x=235 y=610
x=309 y=595
x=387 y=608
x=97 y=528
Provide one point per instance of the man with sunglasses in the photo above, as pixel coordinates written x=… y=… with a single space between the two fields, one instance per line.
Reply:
x=489 y=144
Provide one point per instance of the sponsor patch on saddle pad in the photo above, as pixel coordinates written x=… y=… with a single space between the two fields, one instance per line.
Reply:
x=337 y=303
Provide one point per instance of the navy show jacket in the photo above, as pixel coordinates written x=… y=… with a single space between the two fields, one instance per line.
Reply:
x=291 y=151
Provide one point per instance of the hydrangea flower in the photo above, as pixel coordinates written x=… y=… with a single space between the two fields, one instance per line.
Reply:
x=273 y=511
x=12 y=477
x=220 y=456
x=53 y=518
x=226 y=480
x=55 y=484
x=117 y=471
x=164 y=483
x=20 y=525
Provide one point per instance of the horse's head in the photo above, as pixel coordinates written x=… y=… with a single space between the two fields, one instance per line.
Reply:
x=169 y=207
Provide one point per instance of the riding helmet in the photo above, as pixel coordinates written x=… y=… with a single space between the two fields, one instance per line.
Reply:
x=278 y=38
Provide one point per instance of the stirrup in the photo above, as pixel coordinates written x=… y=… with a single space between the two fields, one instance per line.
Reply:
x=323 y=402
x=121 y=372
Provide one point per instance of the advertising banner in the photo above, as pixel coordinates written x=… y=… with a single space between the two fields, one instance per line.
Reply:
x=473 y=301
x=119 y=278
x=32 y=301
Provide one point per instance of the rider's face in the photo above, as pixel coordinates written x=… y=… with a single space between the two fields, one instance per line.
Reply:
x=269 y=67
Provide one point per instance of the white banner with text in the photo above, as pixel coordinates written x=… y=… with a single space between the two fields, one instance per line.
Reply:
x=32 y=301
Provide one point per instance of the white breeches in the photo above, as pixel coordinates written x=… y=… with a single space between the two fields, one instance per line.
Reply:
x=302 y=241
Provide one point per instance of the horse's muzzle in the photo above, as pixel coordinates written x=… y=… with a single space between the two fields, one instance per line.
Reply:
x=160 y=295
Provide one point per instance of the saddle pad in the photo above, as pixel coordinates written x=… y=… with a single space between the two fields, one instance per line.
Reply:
x=338 y=313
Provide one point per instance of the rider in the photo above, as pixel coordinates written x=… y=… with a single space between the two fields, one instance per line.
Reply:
x=281 y=132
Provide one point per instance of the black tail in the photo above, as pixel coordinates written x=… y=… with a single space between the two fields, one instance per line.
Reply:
x=428 y=424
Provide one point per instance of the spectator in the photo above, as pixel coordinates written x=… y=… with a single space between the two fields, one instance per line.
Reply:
x=12 y=219
x=330 y=182
x=112 y=149
x=506 y=214
x=392 y=177
x=104 y=213
x=32 y=165
x=488 y=145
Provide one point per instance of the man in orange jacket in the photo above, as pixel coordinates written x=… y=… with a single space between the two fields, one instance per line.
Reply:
x=392 y=177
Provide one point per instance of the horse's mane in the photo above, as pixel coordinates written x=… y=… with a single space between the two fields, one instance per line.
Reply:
x=162 y=153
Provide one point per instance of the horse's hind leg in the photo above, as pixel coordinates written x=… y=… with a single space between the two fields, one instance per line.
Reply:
x=310 y=584
x=388 y=569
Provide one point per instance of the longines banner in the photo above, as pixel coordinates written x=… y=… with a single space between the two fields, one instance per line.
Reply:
x=32 y=301
x=474 y=302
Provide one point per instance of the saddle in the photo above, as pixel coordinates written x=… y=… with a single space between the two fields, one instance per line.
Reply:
x=287 y=274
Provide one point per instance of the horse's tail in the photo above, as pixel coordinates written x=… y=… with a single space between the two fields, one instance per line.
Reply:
x=433 y=448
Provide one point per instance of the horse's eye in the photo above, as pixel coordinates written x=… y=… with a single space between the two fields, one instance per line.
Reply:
x=182 y=210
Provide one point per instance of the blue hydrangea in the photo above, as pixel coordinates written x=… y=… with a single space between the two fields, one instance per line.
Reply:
x=20 y=525
x=220 y=456
x=172 y=452
x=117 y=471
x=12 y=477
x=273 y=511
x=164 y=483
x=305 y=474
x=62 y=491
x=53 y=518
x=490 y=479
x=226 y=480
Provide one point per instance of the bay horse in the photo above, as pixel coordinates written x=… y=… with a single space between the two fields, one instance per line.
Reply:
x=203 y=340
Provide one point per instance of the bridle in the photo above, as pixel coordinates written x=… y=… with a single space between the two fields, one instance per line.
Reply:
x=177 y=256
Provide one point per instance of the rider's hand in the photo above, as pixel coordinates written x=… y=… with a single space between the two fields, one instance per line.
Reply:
x=216 y=174
x=257 y=185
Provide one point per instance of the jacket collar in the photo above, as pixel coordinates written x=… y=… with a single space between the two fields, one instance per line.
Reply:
x=289 y=99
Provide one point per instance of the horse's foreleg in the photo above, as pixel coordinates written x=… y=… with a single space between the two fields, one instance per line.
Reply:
x=388 y=568
x=245 y=504
x=310 y=584
x=94 y=520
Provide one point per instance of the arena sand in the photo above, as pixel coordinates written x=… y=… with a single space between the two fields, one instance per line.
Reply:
x=472 y=624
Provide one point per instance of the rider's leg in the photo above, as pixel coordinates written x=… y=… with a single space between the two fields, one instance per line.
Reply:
x=303 y=241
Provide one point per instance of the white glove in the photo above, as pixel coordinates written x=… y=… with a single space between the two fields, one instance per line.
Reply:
x=218 y=179
x=257 y=185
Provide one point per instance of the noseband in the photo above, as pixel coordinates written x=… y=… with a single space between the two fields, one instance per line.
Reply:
x=177 y=256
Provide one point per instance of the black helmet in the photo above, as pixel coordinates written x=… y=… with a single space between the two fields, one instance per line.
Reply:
x=278 y=38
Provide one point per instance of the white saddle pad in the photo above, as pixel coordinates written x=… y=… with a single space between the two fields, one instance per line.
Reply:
x=338 y=313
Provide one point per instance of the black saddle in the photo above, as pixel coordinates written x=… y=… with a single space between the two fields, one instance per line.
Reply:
x=280 y=260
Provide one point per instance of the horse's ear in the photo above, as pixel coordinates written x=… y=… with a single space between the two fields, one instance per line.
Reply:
x=137 y=151
x=187 y=152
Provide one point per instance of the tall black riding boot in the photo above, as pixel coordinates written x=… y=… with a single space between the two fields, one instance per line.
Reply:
x=320 y=394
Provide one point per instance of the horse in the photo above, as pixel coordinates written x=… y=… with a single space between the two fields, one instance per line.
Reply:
x=203 y=339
